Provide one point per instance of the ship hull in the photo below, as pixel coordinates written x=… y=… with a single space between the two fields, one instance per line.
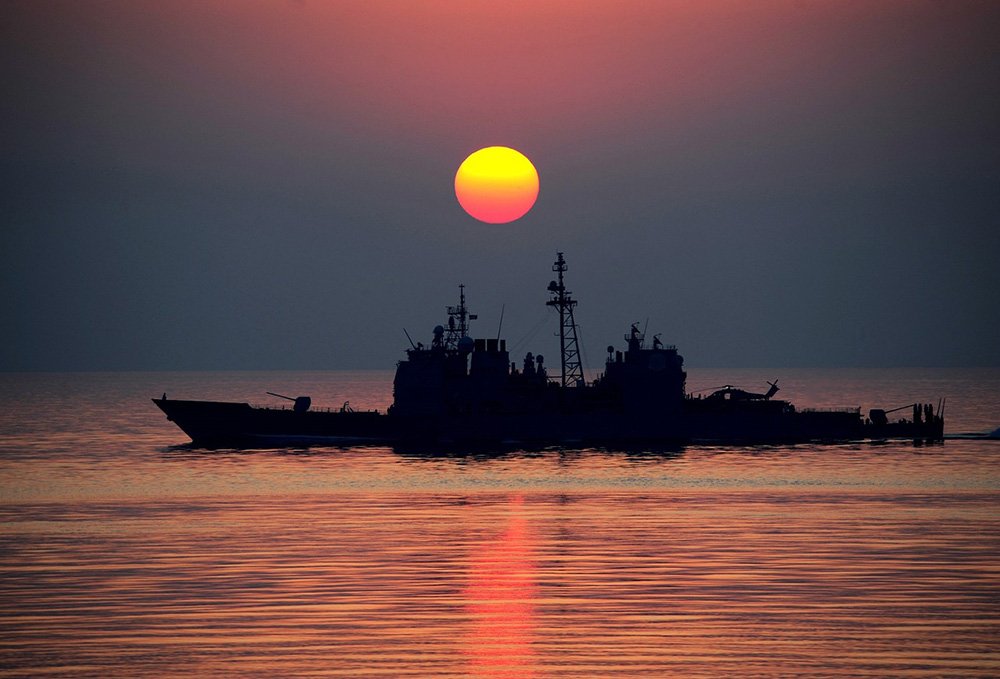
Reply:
x=216 y=424
x=219 y=424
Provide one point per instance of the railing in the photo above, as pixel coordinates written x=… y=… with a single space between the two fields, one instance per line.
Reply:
x=853 y=411
x=259 y=406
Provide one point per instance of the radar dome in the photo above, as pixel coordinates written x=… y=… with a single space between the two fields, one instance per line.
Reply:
x=466 y=344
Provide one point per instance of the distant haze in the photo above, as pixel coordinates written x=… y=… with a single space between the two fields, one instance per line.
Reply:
x=269 y=185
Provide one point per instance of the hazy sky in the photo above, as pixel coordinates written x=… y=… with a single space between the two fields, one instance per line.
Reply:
x=269 y=185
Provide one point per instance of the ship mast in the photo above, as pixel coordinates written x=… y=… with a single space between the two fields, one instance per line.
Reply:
x=572 y=370
x=458 y=321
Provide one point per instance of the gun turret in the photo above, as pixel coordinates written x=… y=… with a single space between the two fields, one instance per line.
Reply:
x=301 y=403
x=772 y=391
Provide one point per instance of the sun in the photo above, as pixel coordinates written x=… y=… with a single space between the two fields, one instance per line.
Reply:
x=496 y=185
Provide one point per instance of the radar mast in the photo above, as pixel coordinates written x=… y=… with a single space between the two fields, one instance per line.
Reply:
x=458 y=321
x=569 y=346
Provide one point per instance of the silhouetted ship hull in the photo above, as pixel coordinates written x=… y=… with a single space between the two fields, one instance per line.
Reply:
x=460 y=391
x=216 y=424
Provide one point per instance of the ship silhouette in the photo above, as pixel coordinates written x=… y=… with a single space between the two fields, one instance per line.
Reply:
x=463 y=391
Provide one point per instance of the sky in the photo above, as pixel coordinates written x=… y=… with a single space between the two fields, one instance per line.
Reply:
x=210 y=185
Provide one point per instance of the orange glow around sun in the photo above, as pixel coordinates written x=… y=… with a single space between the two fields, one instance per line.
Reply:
x=496 y=185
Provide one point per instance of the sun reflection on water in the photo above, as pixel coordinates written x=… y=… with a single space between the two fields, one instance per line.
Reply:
x=499 y=600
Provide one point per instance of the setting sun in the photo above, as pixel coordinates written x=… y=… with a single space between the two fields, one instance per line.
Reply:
x=496 y=185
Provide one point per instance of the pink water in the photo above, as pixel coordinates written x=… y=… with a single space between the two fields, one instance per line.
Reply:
x=124 y=553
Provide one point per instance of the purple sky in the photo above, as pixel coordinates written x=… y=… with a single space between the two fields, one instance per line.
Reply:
x=258 y=185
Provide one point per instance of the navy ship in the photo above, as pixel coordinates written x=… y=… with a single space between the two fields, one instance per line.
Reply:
x=468 y=392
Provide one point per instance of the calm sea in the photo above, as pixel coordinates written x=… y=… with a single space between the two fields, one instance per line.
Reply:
x=124 y=553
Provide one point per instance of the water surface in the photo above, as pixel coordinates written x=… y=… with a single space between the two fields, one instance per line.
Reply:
x=125 y=553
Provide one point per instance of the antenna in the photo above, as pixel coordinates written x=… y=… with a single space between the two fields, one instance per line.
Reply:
x=458 y=321
x=572 y=370
x=409 y=338
x=500 y=326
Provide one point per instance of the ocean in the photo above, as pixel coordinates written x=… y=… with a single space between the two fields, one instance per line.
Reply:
x=125 y=553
